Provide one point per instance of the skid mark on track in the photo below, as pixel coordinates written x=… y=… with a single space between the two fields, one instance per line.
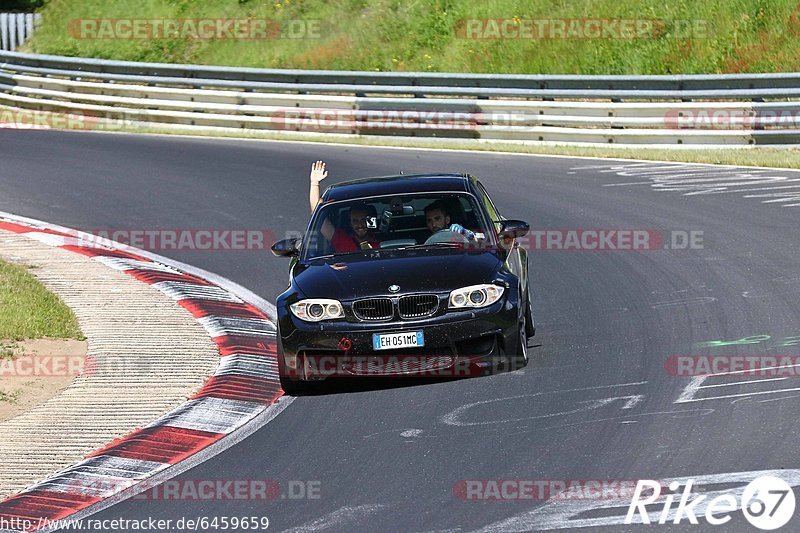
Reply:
x=786 y=280
x=675 y=415
x=627 y=401
x=340 y=517
x=698 y=179
x=505 y=432
x=686 y=301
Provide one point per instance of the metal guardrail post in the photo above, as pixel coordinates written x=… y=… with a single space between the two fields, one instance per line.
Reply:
x=12 y=32
x=29 y=25
x=3 y=31
x=20 y=28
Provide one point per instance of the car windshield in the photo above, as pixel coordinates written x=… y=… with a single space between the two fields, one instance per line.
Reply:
x=396 y=222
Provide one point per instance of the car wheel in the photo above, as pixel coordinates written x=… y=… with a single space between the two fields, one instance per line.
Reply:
x=530 y=327
x=519 y=359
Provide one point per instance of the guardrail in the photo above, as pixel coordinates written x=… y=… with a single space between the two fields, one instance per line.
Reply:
x=701 y=110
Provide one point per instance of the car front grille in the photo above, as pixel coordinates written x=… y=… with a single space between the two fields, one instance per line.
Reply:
x=411 y=306
x=373 y=309
x=418 y=305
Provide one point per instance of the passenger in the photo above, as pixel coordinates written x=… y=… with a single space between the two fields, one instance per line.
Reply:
x=359 y=236
x=437 y=219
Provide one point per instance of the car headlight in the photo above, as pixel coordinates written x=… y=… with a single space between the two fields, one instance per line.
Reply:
x=316 y=309
x=475 y=296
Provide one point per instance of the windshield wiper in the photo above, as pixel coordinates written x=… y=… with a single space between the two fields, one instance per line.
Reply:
x=443 y=244
x=338 y=254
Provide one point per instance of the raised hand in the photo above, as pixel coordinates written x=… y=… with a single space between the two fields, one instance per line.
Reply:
x=318 y=172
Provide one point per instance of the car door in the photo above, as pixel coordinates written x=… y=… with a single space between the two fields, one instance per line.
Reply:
x=517 y=259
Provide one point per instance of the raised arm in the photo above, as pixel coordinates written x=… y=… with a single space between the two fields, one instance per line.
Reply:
x=318 y=173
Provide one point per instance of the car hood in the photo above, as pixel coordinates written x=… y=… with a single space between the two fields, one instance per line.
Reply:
x=370 y=274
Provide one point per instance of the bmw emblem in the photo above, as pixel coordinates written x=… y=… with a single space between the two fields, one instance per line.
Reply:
x=394 y=288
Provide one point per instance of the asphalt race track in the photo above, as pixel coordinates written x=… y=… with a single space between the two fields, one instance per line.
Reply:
x=596 y=402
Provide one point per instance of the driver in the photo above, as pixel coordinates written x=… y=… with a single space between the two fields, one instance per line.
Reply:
x=359 y=236
x=437 y=219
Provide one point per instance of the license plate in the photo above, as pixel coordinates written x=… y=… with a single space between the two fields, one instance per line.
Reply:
x=391 y=341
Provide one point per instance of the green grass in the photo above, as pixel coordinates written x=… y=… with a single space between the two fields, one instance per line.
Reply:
x=29 y=311
x=420 y=35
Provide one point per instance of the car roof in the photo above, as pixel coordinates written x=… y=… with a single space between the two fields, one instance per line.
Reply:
x=399 y=184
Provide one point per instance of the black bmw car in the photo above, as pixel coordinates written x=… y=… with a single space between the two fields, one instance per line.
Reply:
x=436 y=283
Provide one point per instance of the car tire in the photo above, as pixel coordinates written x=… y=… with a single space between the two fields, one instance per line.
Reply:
x=519 y=358
x=530 y=327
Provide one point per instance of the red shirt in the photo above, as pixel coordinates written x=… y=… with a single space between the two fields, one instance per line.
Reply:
x=343 y=241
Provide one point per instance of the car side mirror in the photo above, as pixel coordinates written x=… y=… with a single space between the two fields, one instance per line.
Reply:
x=513 y=229
x=287 y=248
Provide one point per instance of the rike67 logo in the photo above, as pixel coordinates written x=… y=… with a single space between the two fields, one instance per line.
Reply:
x=767 y=502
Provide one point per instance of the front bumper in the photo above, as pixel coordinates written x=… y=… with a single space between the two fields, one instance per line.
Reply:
x=457 y=344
